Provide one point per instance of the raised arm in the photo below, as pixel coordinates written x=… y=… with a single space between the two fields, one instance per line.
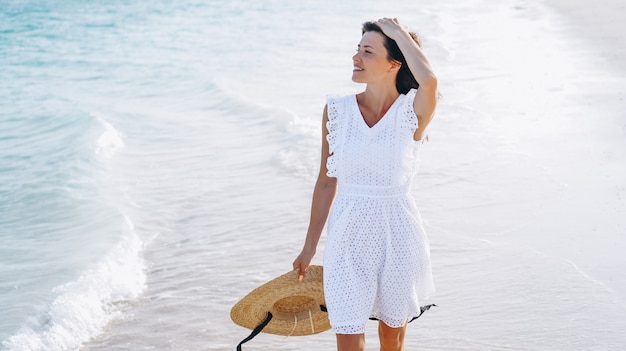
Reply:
x=426 y=96
x=323 y=196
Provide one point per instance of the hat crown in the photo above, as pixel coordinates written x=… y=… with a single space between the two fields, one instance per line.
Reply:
x=296 y=307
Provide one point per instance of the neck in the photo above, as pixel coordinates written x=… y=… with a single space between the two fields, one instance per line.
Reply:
x=379 y=97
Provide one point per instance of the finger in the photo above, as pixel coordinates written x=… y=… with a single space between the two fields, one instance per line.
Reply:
x=297 y=266
x=301 y=273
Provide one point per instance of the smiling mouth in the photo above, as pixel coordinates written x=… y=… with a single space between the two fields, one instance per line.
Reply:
x=357 y=69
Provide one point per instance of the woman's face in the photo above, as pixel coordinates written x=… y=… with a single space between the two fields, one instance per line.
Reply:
x=370 y=61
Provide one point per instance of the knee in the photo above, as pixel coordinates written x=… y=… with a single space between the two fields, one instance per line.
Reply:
x=350 y=342
x=391 y=339
x=390 y=342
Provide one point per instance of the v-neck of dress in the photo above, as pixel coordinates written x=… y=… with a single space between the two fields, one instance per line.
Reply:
x=362 y=118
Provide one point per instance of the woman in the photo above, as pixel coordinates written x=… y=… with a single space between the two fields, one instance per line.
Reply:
x=377 y=258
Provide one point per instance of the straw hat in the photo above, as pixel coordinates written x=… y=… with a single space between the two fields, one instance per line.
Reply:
x=285 y=305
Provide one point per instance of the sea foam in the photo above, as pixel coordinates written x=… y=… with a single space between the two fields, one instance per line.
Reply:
x=83 y=307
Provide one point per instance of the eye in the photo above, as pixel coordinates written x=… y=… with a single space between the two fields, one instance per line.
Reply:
x=367 y=51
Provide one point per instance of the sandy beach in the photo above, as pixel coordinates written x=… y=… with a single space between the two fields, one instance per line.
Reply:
x=598 y=166
x=599 y=24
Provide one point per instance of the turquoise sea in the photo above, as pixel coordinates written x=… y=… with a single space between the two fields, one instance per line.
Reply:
x=157 y=161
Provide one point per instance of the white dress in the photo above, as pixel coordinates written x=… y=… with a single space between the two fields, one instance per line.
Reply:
x=377 y=257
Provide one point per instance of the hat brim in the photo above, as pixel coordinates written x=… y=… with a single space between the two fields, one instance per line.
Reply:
x=252 y=310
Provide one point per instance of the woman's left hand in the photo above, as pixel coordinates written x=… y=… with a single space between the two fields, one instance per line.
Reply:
x=390 y=27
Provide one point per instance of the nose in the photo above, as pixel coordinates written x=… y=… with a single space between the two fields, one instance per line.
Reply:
x=356 y=57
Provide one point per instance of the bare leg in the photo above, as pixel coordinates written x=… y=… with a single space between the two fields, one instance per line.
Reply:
x=391 y=339
x=350 y=342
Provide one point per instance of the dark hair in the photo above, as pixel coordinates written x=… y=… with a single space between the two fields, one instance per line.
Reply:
x=404 y=80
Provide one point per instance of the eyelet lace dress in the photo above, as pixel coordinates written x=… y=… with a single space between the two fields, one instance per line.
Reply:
x=377 y=256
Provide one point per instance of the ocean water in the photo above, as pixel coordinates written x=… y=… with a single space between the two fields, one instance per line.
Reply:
x=157 y=161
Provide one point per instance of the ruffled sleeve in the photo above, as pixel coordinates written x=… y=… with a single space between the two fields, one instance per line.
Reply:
x=335 y=109
x=409 y=124
x=408 y=117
